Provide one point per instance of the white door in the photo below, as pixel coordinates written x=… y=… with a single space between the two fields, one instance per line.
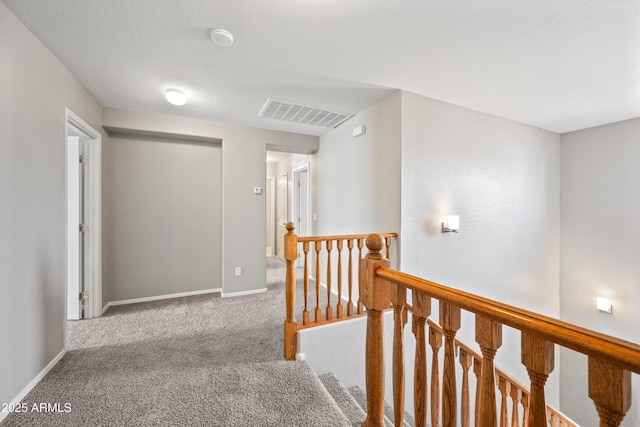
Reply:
x=83 y=219
x=301 y=205
x=301 y=197
x=75 y=250
x=282 y=202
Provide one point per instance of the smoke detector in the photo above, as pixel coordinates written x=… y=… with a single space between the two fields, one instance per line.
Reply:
x=222 y=38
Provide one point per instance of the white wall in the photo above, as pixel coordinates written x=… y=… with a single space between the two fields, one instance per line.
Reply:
x=355 y=189
x=164 y=217
x=340 y=348
x=599 y=249
x=502 y=179
x=35 y=88
x=358 y=179
x=356 y=183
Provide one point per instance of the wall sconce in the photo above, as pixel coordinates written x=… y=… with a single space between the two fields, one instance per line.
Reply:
x=452 y=225
x=604 y=305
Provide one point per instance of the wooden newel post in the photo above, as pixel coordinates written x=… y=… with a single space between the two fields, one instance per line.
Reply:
x=610 y=390
x=290 y=326
x=375 y=298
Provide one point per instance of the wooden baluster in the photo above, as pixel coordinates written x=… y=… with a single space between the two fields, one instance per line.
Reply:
x=350 y=303
x=375 y=296
x=515 y=399
x=339 y=306
x=421 y=310
x=329 y=309
x=305 y=312
x=489 y=337
x=610 y=390
x=450 y=322
x=435 y=341
x=318 y=311
x=398 y=299
x=466 y=360
x=360 y=242
x=538 y=358
x=387 y=244
x=503 y=386
x=290 y=325
x=477 y=371
x=525 y=409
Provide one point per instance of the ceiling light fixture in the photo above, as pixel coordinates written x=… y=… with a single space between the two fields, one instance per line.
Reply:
x=175 y=97
x=222 y=38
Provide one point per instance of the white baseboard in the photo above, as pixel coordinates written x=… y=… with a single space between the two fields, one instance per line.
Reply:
x=33 y=383
x=160 y=297
x=239 y=294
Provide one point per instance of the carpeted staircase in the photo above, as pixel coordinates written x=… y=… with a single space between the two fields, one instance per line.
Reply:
x=352 y=402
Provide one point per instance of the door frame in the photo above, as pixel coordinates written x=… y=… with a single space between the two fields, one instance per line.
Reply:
x=302 y=167
x=279 y=199
x=93 y=215
x=297 y=170
x=271 y=212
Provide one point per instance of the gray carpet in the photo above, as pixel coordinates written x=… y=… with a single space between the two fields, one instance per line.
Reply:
x=201 y=361
x=343 y=398
x=360 y=396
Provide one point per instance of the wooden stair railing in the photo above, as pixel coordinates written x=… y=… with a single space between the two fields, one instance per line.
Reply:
x=611 y=360
x=510 y=389
x=327 y=248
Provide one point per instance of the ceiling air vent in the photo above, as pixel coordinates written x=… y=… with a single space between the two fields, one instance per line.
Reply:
x=303 y=114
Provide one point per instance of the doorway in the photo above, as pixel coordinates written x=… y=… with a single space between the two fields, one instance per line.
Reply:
x=83 y=252
x=282 y=201
x=301 y=202
x=271 y=216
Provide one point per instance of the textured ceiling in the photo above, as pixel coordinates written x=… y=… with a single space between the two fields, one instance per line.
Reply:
x=560 y=65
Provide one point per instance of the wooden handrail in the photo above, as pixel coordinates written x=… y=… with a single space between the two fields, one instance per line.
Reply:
x=614 y=350
x=611 y=360
x=340 y=237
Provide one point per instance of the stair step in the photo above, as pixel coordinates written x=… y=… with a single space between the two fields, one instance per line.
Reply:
x=361 y=397
x=353 y=402
x=349 y=406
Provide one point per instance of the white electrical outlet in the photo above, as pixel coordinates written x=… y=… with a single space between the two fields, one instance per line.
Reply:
x=238 y=271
